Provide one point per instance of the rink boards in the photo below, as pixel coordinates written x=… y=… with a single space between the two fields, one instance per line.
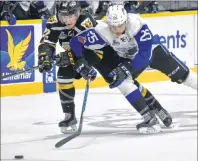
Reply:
x=19 y=43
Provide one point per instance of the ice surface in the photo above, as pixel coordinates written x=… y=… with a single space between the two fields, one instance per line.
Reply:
x=29 y=127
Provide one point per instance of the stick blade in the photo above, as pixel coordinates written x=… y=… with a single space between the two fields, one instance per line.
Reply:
x=67 y=139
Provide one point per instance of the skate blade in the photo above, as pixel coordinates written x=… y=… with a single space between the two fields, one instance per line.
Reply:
x=69 y=130
x=169 y=124
x=150 y=130
x=172 y=126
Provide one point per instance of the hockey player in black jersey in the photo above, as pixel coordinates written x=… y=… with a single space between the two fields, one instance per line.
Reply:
x=68 y=22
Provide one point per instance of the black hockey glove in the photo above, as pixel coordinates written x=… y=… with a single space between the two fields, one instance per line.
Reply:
x=45 y=60
x=64 y=58
x=120 y=73
x=82 y=67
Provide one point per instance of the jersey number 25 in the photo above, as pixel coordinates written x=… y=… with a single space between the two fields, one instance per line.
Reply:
x=92 y=38
x=146 y=35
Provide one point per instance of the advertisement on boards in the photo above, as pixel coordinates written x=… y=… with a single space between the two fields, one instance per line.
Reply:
x=17 y=53
x=177 y=36
x=49 y=78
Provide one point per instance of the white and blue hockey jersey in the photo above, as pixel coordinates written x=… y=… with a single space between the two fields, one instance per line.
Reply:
x=136 y=43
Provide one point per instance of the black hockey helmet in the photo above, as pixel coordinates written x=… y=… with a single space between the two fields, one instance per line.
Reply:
x=67 y=8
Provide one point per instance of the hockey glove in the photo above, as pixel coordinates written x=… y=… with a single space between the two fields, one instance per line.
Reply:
x=6 y=13
x=82 y=67
x=42 y=9
x=120 y=73
x=64 y=58
x=11 y=19
x=45 y=61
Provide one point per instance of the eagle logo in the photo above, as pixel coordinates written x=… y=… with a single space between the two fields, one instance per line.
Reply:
x=17 y=52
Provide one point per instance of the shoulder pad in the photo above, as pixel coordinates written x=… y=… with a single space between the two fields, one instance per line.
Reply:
x=134 y=23
x=52 y=19
x=87 y=23
x=103 y=30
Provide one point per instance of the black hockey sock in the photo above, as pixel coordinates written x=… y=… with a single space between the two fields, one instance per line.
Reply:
x=141 y=106
x=67 y=100
x=151 y=101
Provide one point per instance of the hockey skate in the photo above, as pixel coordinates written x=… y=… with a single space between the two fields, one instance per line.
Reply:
x=161 y=113
x=68 y=125
x=164 y=116
x=150 y=124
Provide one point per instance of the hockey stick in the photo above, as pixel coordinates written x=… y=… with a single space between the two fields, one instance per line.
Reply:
x=67 y=139
x=21 y=72
x=24 y=71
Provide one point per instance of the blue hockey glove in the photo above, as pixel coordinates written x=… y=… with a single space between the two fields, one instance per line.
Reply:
x=82 y=67
x=42 y=9
x=39 y=3
x=120 y=73
x=11 y=19
x=6 y=13
x=8 y=16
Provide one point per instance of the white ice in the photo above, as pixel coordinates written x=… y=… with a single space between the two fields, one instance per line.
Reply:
x=29 y=127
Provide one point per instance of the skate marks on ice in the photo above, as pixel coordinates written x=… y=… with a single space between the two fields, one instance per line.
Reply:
x=125 y=118
x=120 y=123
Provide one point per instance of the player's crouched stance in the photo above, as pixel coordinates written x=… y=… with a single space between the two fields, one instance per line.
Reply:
x=132 y=40
x=160 y=59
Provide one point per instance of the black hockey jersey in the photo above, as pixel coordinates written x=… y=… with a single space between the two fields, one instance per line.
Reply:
x=56 y=31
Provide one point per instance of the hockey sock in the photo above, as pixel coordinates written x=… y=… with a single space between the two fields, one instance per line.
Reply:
x=151 y=101
x=134 y=96
x=67 y=94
